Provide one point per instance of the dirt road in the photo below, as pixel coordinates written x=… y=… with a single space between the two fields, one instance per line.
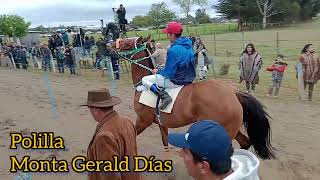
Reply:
x=26 y=106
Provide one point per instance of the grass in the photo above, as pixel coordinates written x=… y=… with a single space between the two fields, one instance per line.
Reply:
x=205 y=29
x=226 y=48
x=229 y=46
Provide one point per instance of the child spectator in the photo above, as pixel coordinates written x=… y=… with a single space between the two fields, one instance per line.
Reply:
x=60 y=60
x=277 y=70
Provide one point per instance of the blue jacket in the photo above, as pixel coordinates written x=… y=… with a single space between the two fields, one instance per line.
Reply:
x=180 y=64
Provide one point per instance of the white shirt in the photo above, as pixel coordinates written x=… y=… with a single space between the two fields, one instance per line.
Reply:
x=245 y=166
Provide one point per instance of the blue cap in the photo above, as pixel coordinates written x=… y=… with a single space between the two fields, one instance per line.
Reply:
x=206 y=138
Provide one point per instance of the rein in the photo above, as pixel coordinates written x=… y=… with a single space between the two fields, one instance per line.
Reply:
x=133 y=52
x=136 y=61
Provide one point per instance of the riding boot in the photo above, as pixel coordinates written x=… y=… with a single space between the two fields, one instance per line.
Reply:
x=164 y=96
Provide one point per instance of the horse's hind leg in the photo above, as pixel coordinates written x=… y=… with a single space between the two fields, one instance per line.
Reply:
x=243 y=140
x=164 y=136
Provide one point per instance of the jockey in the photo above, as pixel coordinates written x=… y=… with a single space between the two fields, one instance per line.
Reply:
x=179 y=68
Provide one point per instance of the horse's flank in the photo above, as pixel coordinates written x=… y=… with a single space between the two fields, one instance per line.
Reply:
x=195 y=103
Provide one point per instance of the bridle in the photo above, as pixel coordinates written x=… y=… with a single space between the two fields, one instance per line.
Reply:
x=132 y=53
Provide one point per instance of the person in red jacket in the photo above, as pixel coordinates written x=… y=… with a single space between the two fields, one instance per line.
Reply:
x=277 y=70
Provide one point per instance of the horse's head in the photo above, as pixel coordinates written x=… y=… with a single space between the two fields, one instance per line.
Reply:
x=131 y=43
x=137 y=51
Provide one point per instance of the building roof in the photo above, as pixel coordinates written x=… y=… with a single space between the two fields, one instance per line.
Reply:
x=34 y=31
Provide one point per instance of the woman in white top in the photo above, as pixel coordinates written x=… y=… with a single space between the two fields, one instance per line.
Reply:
x=202 y=61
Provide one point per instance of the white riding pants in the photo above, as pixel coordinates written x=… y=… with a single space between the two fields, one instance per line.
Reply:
x=159 y=80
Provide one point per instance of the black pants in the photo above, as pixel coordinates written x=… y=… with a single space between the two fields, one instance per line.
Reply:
x=310 y=89
x=115 y=68
x=123 y=28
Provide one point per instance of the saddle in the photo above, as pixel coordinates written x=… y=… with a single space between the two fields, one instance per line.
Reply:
x=149 y=99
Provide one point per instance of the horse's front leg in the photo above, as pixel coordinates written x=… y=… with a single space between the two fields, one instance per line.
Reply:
x=164 y=136
x=142 y=124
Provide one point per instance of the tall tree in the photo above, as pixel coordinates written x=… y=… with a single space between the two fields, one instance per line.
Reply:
x=186 y=5
x=160 y=14
x=13 y=25
x=267 y=9
x=202 y=17
x=309 y=8
x=243 y=10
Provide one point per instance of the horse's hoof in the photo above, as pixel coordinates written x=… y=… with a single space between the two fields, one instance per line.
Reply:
x=166 y=149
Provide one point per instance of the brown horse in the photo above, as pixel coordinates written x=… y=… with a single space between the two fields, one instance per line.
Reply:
x=211 y=99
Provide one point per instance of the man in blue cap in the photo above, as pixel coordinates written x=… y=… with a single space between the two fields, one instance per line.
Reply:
x=208 y=154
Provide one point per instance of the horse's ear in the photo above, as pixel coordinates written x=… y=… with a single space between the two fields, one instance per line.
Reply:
x=147 y=38
x=139 y=40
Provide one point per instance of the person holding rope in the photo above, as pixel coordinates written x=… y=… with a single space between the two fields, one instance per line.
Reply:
x=179 y=69
x=115 y=135
x=159 y=56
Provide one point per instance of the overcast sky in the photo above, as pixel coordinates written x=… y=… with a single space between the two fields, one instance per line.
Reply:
x=80 y=12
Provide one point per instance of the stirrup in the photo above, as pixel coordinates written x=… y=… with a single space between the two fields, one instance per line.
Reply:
x=165 y=96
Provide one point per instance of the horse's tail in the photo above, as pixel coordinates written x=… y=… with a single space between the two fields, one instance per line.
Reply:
x=256 y=122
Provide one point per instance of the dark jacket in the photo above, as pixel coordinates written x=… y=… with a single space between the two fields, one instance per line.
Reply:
x=121 y=15
x=180 y=64
x=87 y=44
x=68 y=57
x=60 y=57
x=46 y=53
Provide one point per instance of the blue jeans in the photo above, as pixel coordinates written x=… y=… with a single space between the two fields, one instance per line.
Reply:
x=46 y=64
x=72 y=68
x=60 y=67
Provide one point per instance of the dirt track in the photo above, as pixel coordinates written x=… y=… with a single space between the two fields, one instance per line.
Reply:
x=25 y=107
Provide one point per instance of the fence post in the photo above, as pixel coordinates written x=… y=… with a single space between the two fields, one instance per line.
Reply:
x=243 y=43
x=215 y=44
x=278 y=50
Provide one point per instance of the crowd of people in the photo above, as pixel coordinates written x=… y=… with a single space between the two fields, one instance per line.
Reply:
x=66 y=53
x=251 y=62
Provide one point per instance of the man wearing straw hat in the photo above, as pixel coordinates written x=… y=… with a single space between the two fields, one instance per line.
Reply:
x=114 y=136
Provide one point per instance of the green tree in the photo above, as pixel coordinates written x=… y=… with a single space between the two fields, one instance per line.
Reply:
x=186 y=5
x=13 y=25
x=202 y=17
x=267 y=10
x=245 y=11
x=309 y=8
x=141 y=21
x=160 y=14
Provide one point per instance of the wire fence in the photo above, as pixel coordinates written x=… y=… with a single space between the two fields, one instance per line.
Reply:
x=225 y=49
